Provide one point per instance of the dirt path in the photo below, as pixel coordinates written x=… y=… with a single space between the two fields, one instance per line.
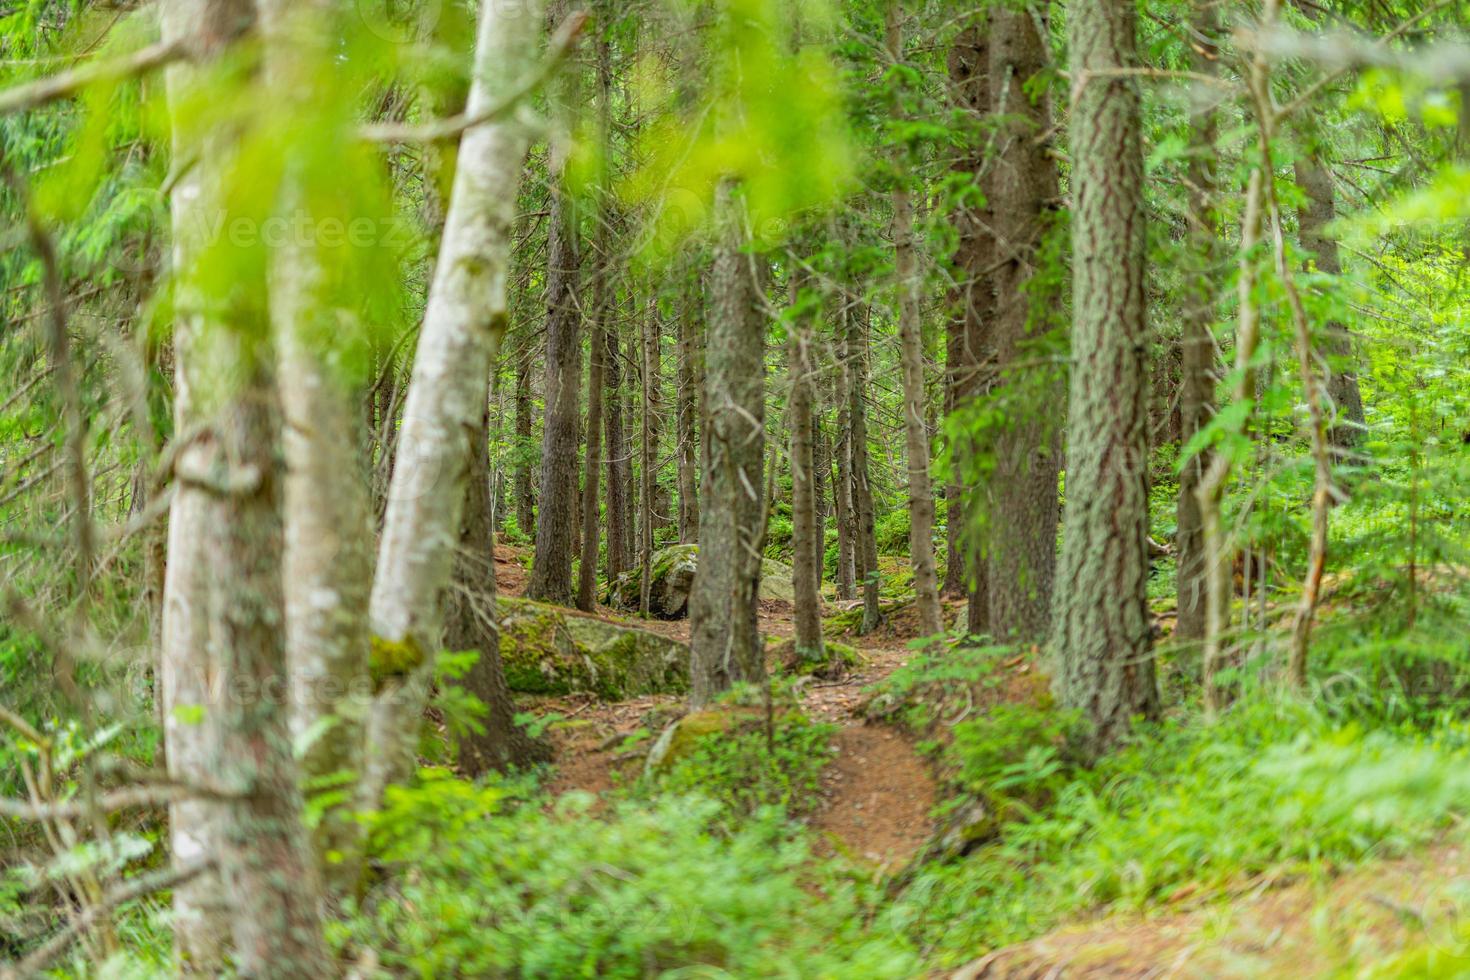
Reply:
x=876 y=794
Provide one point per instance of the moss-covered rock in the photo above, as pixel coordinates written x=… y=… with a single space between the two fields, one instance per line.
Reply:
x=684 y=734
x=837 y=660
x=672 y=574
x=548 y=650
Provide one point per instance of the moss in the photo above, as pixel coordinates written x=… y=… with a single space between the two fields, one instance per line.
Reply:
x=548 y=651
x=392 y=658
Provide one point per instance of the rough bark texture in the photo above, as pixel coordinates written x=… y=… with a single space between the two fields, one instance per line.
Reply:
x=648 y=466
x=551 y=568
x=1020 y=187
x=967 y=570
x=686 y=397
x=806 y=529
x=591 y=471
x=911 y=344
x=463 y=325
x=189 y=675
x=470 y=624
x=1317 y=212
x=1197 y=344
x=619 y=462
x=1101 y=642
x=327 y=564
x=846 y=577
x=725 y=642
x=865 y=552
x=265 y=864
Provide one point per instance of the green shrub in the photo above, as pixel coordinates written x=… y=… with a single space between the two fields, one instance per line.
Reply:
x=478 y=886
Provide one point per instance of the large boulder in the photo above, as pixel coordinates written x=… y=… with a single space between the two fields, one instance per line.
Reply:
x=550 y=650
x=672 y=574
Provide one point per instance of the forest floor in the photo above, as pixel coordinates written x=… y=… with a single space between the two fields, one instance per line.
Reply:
x=876 y=806
x=877 y=793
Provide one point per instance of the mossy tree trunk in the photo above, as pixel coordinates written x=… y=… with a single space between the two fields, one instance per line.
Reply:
x=1021 y=187
x=1197 y=345
x=725 y=643
x=1100 y=639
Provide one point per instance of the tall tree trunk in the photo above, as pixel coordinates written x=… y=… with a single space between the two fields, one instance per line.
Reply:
x=1197 y=346
x=327 y=565
x=686 y=396
x=1020 y=187
x=551 y=568
x=470 y=623
x=846 y=577
x=911 y=343
x=806 y=562
x=865 y=552
x=1317 y=212
x=725 y=642
x=967 y=571
x=619 y=463
x=592 y=466
x=463 y=326
x=648 y=476
x=1101 y=638
x=189 y=663
x=525 y=493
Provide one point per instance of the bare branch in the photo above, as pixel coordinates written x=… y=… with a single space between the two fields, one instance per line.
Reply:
x=42 y=91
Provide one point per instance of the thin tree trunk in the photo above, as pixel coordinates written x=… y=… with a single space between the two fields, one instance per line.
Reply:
x=846 y=578
x=592 y=466
x=806 y=567
x=1198 y=364
x=911 y=342
x=967 y=571
x=1020 y=186
x=687 y=400
x=649 y=465
x=866 y=550
x=463 y=326
x=551 y=567
x=470 y=623
x=1101 y=637
x=189 y=662
x=1317 y=212
x=525 y=493
x=725 y=642
x=327 y=566
x=619 y=465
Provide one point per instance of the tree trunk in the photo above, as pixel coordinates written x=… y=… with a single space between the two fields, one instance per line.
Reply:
x=725 y=643
x=865 y=552
x=687 y=399
x=1020 y=187
x=592 y=467
x=1101 y=626
x=967 y=571
x=619 y=463
x=327 y=566
x=463 y=326
x=1197 y=346
x=551 y=568
x=1316 y=213
x=525 y=493
x=648 y=477
x=846 y=577
x=470 y=624
x=189 y=665
x=806 y=563
x=911 y=342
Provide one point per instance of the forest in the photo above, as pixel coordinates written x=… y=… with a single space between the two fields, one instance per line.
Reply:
x=734 y=488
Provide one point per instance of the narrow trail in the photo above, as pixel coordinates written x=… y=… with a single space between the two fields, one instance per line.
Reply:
x=876 y=794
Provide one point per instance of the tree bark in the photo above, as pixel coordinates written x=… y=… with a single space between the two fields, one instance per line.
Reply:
x=648 y=475
x=806 y=563
x=1197 y=346
x=911 y=342
x=967 y=570
x=619 y=462
x=846 y=577
x=592 y=466
x=725 y=643
x=327 y=566
x=1020 y=187
x=525 y=493
x=865 y=551
x=189 y=668
x=1101 y=634
x=687 y=401
x=1317 y=212
x=551 y=567
x=470 y=623
x=463 y=326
